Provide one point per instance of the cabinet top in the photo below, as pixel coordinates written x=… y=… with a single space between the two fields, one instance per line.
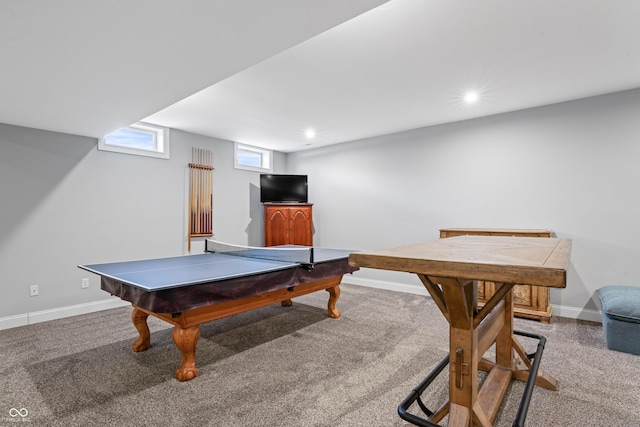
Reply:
x=518 y=232
x=287 y=204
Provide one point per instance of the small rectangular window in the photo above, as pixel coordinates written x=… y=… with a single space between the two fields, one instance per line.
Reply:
x=140 y=138
x=252 y=158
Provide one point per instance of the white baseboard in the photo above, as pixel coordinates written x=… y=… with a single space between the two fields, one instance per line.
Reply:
x=59 y=313
x=558 y=310
x=577 y=313
x=389 y=286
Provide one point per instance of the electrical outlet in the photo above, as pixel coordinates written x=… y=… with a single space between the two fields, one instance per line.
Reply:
x=85 y=283
x=33 y=290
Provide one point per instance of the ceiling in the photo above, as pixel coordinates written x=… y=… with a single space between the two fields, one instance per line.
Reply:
x=90 y=68
x=346 y=69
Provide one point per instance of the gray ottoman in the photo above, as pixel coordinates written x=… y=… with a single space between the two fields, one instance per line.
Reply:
x=621 y=317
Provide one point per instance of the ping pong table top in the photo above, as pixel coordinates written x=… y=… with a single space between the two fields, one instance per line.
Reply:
x=166 y=273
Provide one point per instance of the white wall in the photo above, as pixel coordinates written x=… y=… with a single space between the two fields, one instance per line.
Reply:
x=571 y=167
x=65 y=203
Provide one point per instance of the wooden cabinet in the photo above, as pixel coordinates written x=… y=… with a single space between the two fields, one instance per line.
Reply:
x=531 y=302
x=288 y=224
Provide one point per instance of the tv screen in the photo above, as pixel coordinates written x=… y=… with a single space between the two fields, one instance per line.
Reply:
x=283 y=188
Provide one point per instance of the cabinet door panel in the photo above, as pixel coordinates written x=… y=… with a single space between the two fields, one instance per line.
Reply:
x=300 y=230
x=276 y=227
x=523 y=296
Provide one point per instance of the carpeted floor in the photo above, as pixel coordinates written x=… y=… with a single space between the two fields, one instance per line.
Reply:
x=291 y=366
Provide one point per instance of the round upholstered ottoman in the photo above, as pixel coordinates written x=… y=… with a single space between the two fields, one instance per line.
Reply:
x=621 y=317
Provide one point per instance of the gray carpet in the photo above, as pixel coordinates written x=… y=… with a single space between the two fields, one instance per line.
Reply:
x=291 y=366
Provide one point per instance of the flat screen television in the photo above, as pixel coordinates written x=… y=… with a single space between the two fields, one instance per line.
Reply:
x=283 y=188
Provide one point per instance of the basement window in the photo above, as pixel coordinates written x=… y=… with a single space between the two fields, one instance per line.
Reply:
x=141 y=139
x=252 y=158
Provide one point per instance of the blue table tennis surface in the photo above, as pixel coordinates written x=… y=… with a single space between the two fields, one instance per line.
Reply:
x=165 y=273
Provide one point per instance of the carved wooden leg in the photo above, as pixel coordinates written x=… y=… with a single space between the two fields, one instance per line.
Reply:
x=139 y=319
x=334 y=294
x=186 y=340
x=287 y=303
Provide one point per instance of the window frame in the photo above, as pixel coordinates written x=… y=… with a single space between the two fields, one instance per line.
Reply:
x=266 y=157
x=161 y=142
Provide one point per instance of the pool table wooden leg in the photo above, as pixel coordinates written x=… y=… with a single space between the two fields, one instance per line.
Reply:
x=334 y=294
x=139 y=319
x=186 y=340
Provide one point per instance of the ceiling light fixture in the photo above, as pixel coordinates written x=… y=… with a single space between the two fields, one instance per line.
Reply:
x=310 y=133
x=471 y=97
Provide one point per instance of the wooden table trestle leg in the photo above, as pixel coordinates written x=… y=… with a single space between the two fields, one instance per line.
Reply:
x=460 y=301
x=472 y=332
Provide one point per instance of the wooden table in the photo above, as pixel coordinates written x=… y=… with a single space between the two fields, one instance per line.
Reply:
x=449 y=269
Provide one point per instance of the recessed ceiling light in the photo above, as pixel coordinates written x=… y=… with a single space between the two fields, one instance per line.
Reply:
x=471 y=97
x=310 y=133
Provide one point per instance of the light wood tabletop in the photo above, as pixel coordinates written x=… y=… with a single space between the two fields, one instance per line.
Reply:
x=526 y=260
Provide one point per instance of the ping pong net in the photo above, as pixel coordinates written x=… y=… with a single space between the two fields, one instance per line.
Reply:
x=295 y=254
